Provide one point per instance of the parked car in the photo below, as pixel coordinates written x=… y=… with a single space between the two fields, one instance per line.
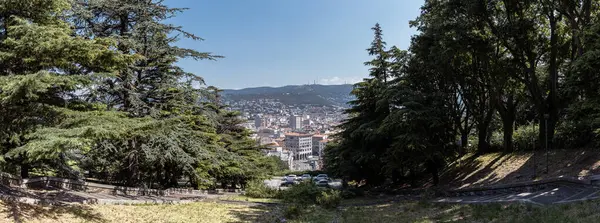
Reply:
x=305 y=177
x=292 y=177
x=322 y=183
x=288 y=181
x=320 y=177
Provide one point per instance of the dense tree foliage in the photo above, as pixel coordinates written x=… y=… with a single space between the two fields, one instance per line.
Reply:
x=477 y=69
x=90 y=88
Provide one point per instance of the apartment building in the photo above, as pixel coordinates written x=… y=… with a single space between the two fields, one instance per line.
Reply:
x=299 y=144
x=295 y=122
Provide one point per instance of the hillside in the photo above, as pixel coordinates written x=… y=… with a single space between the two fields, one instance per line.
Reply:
x=337 y=95
x=500 y=168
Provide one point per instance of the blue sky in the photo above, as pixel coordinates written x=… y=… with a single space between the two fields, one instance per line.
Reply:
x=289 y=42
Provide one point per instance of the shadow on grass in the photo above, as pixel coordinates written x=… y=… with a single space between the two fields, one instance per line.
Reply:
x=509 y=212
x=256 y=213
x=23 y=212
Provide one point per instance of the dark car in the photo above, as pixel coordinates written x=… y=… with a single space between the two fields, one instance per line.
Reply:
x=320 y=177
x=287 y=182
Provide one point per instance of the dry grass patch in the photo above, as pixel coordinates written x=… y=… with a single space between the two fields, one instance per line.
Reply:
x=407 y=211
x=193 y=212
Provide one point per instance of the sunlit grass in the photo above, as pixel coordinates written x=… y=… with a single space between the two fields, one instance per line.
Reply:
x=193 y=212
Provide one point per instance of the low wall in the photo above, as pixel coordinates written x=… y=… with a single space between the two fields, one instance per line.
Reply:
x=10 y=180
x=80 y=185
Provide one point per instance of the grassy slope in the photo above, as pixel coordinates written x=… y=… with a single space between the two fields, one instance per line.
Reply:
x=424 y=212
x=501 y=168
x=407 y=211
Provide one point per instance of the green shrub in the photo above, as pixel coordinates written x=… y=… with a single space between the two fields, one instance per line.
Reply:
x=571 y=134
x=497 y=139
x=304 y=193
x=257 y=189
x=329 y=199
x=524 y=135
x=292 y=211
x=350 y=193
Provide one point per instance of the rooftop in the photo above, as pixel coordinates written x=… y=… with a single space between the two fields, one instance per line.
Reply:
x=297 y=134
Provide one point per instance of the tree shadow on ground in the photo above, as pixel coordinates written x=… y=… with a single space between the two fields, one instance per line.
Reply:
x=486 y=174
x=23 y=212
x=520 y=166
x=256 y=214
x=470 y=170
x=562 y=162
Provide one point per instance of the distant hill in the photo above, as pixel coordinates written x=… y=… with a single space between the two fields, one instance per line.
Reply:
x=314 y=94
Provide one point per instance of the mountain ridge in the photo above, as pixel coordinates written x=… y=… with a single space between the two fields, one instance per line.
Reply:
x=315 y=94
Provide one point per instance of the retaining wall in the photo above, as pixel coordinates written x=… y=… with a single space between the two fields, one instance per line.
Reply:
x=10 y=180
x=80 y=185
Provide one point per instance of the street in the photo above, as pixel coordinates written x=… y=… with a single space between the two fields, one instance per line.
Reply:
x=275 y=183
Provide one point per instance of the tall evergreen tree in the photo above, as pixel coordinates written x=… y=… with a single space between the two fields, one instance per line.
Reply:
x=43 y=67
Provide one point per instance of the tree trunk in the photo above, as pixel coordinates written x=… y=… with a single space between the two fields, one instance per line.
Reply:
x=507 y=127
x=507 y=112
x=433 y=169
x=25 y=171
x=464 y=142
x=482 y=131
x=548 y=124
x=413 y=178
x=546 y=132
x=464 y=135
x=482 y=145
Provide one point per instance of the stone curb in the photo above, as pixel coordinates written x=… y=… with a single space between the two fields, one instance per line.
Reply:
x=81 y=185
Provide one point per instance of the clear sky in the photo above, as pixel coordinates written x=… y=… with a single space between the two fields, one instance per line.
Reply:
x=290 y=42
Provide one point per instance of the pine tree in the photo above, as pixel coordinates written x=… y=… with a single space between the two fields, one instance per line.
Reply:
x=154 y=85
x=362 y=144
x=43 y=66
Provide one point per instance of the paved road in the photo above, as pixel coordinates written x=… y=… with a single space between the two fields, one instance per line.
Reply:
x=556 y=194
x=275 y=183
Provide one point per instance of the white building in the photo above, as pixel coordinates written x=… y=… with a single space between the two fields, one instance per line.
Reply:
x=295 y=122
x=316 y=151
x=300 y=144
x=310 y=164
x=302 y=165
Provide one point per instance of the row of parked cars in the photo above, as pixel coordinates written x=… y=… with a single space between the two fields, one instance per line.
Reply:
x=321 y=180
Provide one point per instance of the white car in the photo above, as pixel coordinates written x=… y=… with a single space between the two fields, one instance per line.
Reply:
x=305 y=177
